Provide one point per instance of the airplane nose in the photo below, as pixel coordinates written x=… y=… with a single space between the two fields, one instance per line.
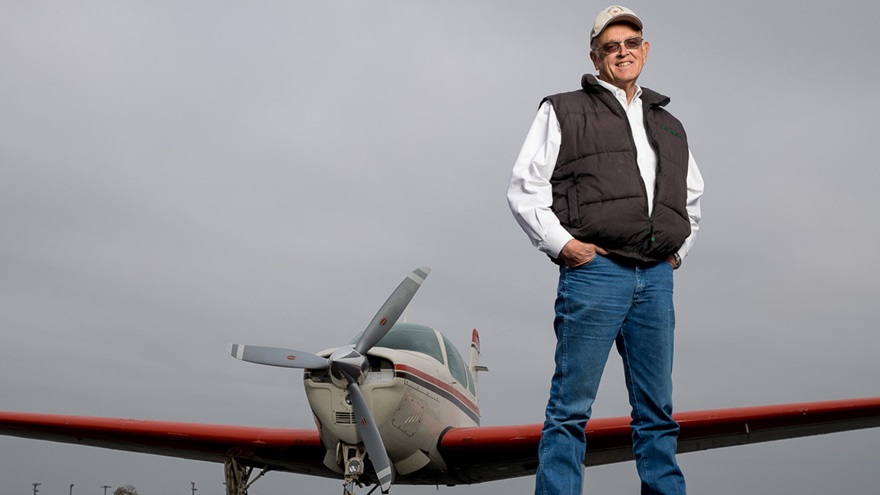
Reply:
x=347 y=365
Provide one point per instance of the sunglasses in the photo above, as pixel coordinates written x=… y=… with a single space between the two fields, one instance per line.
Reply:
x=614 y=46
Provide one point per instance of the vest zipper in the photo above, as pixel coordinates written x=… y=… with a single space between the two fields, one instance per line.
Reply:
x=648 y=244
x=632 y=141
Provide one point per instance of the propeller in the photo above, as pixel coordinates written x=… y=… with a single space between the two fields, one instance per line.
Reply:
x=347 y=366
x=276 y=356
x=388 y=314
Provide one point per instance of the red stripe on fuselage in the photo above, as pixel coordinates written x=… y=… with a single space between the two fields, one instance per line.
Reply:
x=464 y=401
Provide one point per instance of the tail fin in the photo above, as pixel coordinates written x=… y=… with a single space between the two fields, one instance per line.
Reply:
x=474 y=363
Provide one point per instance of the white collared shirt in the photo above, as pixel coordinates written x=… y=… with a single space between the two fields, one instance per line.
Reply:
x=530 y=194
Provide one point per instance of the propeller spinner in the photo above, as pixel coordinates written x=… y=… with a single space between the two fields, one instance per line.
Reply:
x=347 y=366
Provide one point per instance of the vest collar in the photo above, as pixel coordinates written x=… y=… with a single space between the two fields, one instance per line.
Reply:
x=649 y=97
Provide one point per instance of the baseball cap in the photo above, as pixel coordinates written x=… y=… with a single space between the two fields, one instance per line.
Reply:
x=614 y=13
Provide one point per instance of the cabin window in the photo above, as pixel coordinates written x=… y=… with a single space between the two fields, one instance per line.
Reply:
x=456 y=364
x=471 y=385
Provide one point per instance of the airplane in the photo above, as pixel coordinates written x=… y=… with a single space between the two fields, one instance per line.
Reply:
x=399 y=405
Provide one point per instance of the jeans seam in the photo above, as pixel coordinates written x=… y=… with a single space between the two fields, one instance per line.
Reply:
x=634 y=400
x=564 y=350
x=637 y=415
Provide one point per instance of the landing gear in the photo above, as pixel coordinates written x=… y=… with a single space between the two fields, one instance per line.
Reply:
x=238 y=476
x=351 y=458
x=345 y=492
x=347 y=488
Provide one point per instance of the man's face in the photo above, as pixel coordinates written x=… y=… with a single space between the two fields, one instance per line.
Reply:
x=622 y=67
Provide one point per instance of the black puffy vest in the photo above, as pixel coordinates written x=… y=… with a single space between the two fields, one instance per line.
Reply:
x=598 y=192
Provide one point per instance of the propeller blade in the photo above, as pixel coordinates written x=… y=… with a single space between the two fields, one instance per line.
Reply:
x=392 y=309
x=276 y=356
x=370 y=435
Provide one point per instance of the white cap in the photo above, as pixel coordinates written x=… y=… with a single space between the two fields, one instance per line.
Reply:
x=614 y=13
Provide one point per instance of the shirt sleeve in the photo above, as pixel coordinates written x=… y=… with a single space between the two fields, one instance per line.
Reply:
x=694 y=193
x=530 y=194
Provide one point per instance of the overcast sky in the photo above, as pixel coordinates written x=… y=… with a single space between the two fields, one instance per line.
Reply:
x=178 y=175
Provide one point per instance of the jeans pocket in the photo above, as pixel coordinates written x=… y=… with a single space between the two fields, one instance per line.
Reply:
x=586 y=264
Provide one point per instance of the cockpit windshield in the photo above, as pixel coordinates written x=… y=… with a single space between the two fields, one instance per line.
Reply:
x=411 y=337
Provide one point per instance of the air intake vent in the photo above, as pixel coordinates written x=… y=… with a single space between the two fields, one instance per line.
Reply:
x=345 y=418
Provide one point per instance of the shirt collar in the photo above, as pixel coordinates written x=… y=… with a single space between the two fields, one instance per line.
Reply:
x=619 y=93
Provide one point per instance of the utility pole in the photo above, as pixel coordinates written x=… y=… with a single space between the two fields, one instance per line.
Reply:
x=105 y=487
x=193 y=487
x=35 y=487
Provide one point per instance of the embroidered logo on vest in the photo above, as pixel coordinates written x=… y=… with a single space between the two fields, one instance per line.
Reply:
x=671 y=131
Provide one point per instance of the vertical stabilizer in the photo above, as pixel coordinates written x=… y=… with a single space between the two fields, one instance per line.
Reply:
x=474 y=362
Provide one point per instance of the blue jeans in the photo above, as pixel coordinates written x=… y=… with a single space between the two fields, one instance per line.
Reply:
x=600 y=303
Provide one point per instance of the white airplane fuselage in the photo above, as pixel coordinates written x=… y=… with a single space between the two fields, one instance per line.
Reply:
x=412 y=395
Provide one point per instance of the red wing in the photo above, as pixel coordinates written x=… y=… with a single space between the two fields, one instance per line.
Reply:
x=473 y=455
x=297 y=451
x=479 y=454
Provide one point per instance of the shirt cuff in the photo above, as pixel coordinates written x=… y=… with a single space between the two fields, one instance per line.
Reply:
x=555 y=241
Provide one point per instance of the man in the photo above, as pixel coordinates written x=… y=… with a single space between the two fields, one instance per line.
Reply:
x=606 y=186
